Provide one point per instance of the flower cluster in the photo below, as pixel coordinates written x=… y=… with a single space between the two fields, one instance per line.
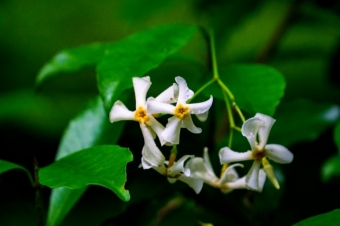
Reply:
x=190 y=169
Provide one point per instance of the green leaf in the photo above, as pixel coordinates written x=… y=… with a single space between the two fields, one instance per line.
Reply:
x=136 y=55
x=91 y=127
x=256 y=88
x=103 y=165
x=6 y=166
x=70 y=60
x=329 y=219
x=337 y=135
x=330 y=168
x=302 y=120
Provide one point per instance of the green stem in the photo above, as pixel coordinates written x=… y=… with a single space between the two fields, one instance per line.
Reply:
x=213 y=54
x=201 y=89
x=225 y=88
x=239 y=112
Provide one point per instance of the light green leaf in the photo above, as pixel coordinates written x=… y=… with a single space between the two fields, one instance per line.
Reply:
x=91 y=127
x=337 y=135
x=6 y=166
x=330 y=168
x=136 y=55
x=329 y=219
x=103 y=165
x=70 y=60
x=302 y=120
x=257 y=88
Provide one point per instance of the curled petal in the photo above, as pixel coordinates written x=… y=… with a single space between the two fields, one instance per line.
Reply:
x=184 y=93
x=265 y=129
x=120 y=112
x=154 y=107
x=230 y=174
x=238 y=184
x=252 y=178
x=172 y=130
x=202 y=117
x=200 y=108
x=278 y=153
x=141 y=87
x=150 y=151
x=207 y=162
x=169 y=95
x=227 y=155
x=178 y=166
x=250 y=128
x=194 y=183
x=189 y=124
x=198 y=170
x=145 y=164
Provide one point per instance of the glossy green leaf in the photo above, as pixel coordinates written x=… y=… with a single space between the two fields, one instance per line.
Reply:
x=256 y=88
x=330 y=168
x=103 y=165
x=6 y=166
x=330 y=219
x=302 y=120
x=136 y=55
x=337 y=135
x=70 y=60
x=91 y=127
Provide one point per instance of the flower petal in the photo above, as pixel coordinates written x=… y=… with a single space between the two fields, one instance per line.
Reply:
x=150 y=151
x=157 y=127
x=265 y=129
x=207 y=162
x=184 y=93
x=154 y=107
x=250 y=128
x=198 y=170
x=279 y=153
x=230 y=174
x=194 y=183
x=178 y=166
x=141 y=87
x=120 y=112
x=172 y=130
x=202 y=117
x=238 y=184
x=227 y=155
x=199 y=108
x=189 y=124
x=252 y=178
x=169 y=95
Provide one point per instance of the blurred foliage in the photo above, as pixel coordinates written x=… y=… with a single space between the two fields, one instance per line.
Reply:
x=299 y=40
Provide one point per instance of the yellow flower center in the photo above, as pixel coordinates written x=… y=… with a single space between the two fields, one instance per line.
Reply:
x=141 y=115
x=259 y=155
x=181 y=111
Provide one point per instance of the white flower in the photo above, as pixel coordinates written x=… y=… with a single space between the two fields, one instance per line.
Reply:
x=177 y=172
x=256 y=130
x=201 y=168
x=148 y=124
x=182 y=112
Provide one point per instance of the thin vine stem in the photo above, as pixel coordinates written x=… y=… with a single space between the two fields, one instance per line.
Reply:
x=201 y=89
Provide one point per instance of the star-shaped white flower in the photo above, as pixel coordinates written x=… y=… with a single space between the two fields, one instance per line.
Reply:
x=177 y=172
x=148 y=124
x=201 y=168
x=256 y=130
x=182 y=112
